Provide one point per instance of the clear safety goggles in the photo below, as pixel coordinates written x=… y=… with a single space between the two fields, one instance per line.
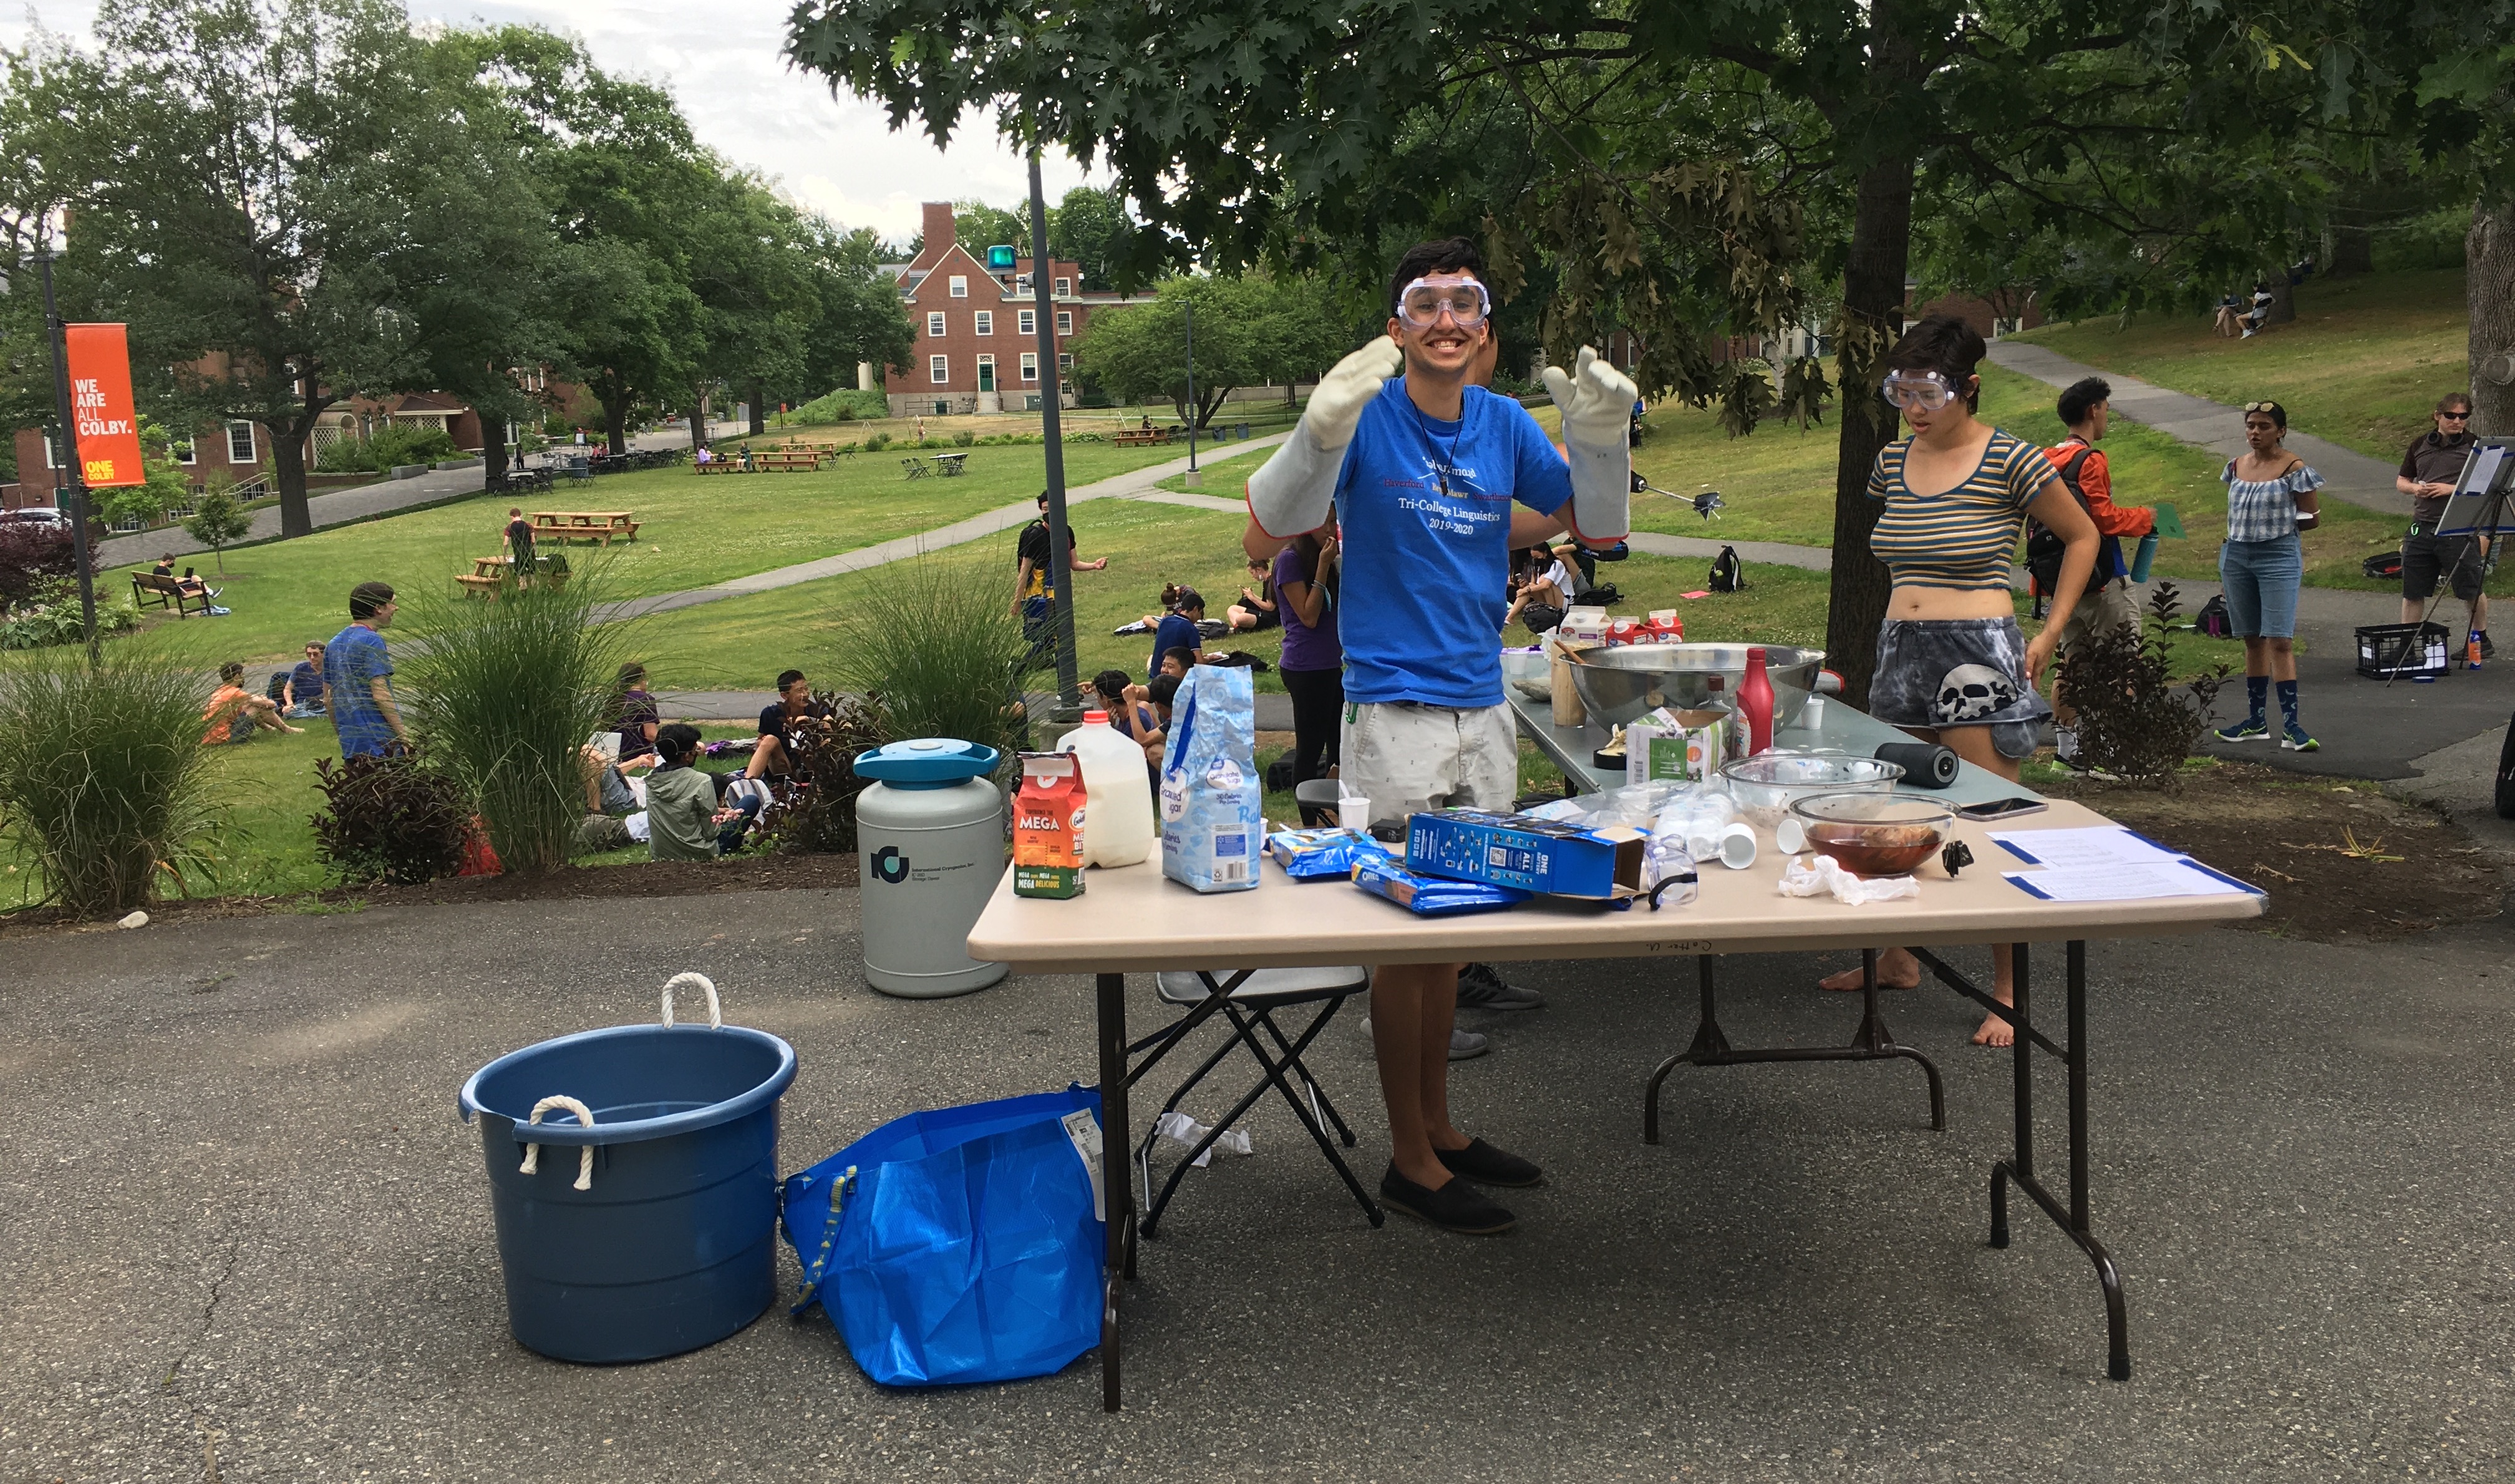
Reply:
x=1926 y=389
x=1426 y=299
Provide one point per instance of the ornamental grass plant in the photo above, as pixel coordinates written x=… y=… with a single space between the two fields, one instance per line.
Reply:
x=502 y=696
x=104 y=778
x=934 y=647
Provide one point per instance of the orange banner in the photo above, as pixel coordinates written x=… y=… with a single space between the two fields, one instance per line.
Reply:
x=108 y=425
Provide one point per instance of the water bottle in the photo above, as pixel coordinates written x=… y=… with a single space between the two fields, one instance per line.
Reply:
x=2140 y=559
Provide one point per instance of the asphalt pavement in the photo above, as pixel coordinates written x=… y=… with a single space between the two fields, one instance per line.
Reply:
x=249 y=1239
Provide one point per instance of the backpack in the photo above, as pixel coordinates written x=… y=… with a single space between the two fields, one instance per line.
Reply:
x=1279 y=774
x=277 y=689
x=1728 y=573
x=2383 y=565
x=1605 y=595
x=2212 y=620
x=2044 y=550
x=1541 y=617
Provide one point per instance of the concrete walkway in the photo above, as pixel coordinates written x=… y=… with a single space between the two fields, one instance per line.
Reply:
x=344 y=506
x=2348 y=474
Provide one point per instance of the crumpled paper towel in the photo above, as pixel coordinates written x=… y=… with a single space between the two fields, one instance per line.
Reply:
x=1811 y=875
x=1187 y=1131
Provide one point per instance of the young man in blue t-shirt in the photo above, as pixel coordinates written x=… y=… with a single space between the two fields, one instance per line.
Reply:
x=358 y=676
x=1433 y=482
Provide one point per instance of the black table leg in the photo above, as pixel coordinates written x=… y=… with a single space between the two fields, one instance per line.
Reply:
x=1871 y=1041
x=2019 y=1166
x=1117 y=1184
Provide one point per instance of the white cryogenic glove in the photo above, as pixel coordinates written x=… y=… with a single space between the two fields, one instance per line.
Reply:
x=1295 y=491
x=1597 y=404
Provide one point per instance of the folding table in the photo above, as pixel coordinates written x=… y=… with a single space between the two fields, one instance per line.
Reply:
x=1132 y=920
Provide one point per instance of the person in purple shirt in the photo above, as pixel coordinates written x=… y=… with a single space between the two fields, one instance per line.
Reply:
x=1313 y=662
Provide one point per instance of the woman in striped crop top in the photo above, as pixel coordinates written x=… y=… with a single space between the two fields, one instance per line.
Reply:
x=1953 y=665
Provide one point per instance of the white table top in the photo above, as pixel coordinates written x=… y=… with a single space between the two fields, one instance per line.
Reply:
x=1131 y=918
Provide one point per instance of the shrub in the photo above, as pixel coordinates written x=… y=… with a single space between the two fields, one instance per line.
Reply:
x=878 y=443
x=503 y=696
x=392 y=444
x=963 y=439
x=217 y=520
x=31 y=558
x=820 y=818
x=388 y=819
x=933 y=648
x=104 y=780
x=845 y=405
x=51 y=615
x=2134 y=720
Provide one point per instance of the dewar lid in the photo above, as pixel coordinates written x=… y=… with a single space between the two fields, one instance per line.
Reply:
x=928 y=763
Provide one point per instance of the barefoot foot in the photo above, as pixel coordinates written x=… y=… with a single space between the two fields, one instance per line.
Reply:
x=1896 y=970
x=1995 y=1031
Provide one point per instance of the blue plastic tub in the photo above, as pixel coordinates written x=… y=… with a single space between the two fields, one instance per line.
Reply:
x=670 y=1242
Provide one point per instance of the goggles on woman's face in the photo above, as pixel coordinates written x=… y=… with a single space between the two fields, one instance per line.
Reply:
x=1927 y=390
x=1423 y=302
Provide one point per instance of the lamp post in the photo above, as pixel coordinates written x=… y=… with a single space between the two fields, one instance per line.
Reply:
x=1069 y=696
x=1190 y=333
x=65 y=447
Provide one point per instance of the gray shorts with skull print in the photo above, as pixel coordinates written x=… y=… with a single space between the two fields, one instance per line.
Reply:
x=1959 y=672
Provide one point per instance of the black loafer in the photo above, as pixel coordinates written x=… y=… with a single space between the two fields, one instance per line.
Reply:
x=1486 y=1165
x=1452 y=1208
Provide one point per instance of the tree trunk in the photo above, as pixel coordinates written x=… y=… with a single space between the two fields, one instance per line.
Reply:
x=2488 y=254
x=615 y=425
x=1872 y=293
x=2283 y=301
x=758 y=409
x=288 y=464
x=698 y=423
x=493 y=450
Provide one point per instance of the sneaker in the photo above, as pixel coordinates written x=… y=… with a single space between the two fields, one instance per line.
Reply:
x=2249 y=729
x=215 y=611
x=2295 y=740
x=2488 y=651
x=1455 y=1207
x=1481 y=987
x=1465 y=1046
x=1486 y=1165
x=2065 y=745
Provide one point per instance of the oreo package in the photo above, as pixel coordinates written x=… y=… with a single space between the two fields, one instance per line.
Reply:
x=1320 y=854
x=1430 y=896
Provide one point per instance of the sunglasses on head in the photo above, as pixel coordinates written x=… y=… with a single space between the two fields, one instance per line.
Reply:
x=2273 y=409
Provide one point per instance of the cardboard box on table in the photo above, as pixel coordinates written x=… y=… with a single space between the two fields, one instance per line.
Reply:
x=1527 y=854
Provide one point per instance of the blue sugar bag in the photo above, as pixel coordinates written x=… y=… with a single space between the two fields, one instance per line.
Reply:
x=1213 y=831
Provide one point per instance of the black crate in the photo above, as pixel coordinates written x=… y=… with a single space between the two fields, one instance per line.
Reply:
x=2409 y=650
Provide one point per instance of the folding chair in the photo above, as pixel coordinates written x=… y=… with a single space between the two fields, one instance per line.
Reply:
x=1250 y=999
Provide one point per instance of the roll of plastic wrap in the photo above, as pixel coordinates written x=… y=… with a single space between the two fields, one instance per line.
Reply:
x=1927 y=764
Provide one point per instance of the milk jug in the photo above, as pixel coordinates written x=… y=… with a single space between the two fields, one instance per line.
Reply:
x=1118 y=792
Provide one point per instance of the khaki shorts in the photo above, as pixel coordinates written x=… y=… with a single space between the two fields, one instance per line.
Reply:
x=2110 y=606
x=1411 y=758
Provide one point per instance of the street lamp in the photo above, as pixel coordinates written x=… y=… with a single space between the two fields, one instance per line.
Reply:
x=1069 y=693
x=66 y=452
x=1189 y=309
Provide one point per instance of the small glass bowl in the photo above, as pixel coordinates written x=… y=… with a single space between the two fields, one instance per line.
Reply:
x=1873 y=834
x=1765 y=784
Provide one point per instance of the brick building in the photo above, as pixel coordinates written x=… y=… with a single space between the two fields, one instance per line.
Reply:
x=976 y=345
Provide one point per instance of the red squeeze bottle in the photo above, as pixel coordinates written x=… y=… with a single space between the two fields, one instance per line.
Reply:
x=1756 y=703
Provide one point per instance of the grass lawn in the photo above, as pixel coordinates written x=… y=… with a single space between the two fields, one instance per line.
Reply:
x=695 y=531
x=2363 y=364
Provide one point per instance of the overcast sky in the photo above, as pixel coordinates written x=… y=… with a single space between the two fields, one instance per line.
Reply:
x=720 y=60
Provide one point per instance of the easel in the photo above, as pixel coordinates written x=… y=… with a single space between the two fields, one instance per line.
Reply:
x=2477 y=507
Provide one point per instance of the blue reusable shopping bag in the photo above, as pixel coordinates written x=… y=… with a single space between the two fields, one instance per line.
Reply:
x=967 y=1244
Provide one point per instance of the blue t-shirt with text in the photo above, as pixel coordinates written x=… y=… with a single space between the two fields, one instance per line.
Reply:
x=355 y=656
x=1426 y=573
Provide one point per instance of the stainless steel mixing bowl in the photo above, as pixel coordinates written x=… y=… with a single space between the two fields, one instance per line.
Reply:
x=1620 y=683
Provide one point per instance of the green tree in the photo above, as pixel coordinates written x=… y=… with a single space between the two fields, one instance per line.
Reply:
x=1246 y=331
x=217 y=520
x=1090 y=227
x=1738 y=157
x=859 y=316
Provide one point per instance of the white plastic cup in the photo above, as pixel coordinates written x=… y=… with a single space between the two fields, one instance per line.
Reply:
x=1738 y=847
x=1789 y=837
x=1812 y=715
x=1353 y=812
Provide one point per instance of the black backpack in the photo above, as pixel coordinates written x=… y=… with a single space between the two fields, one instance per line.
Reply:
x=2383 y=564
x=277 y=689
x=2212 y=620
x=2043 y=550
x=1728 y=573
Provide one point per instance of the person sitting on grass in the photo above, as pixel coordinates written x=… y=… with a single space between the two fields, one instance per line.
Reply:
x=684 y=820
x=638 y=717
x=1179 y=631
x=234 y=713
x=778 y=721
x=303 y=696
x=1255 y=612
x=1129 y=712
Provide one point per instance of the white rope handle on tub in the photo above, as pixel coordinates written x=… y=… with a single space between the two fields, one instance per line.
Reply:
x=584 y=1155
x=716 y=1012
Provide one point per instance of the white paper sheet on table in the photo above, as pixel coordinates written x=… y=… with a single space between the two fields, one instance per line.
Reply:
x=2131 y=880
x=2106 y=844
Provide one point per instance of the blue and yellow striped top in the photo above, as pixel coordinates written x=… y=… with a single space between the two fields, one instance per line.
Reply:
x=1965 y=537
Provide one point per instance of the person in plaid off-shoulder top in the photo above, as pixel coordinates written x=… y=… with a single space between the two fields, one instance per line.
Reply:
x=2270 y=499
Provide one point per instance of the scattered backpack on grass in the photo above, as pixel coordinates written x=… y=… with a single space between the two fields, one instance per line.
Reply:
x=277 y=689
x=2383 y=565
x=2212 y=621
x=1728 y=573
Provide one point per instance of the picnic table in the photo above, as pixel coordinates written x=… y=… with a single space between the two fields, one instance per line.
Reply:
x=564 y=526
x=1130 y=437
x=719 y=467
x=786 y=459
x=1133 y=920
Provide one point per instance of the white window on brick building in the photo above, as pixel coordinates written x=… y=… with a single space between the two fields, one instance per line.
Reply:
x=1065 y=321
x=934 y=325
x=1030 y=365
x=181 y=449
x=1064 y=286
x=240 y=445
x=986 y=321
x=960 y=286
x=1065 y=362
x=1027 y=321
x=939 y=369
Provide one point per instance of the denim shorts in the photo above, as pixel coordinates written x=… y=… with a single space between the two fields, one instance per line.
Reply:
x=2261 y=578
x=1938 y=672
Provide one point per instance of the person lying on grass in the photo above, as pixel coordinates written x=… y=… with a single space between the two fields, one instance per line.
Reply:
x=234 y=711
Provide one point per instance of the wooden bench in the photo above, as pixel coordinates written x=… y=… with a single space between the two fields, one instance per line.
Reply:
x=149 y=590
x=782 y=461
x=1136 y=437
x=476 y=586
x=719 y=467
x=564 y=526
x=914 y=469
